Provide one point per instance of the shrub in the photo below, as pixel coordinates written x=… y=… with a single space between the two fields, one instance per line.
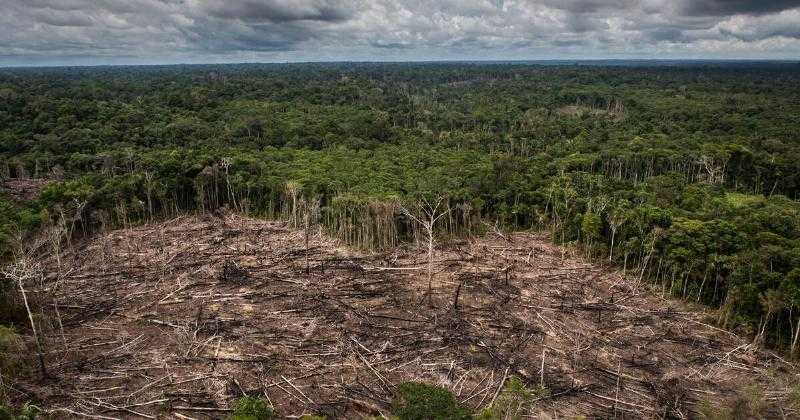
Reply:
x=10 y=350
x=28 y=412
x=750 y=402
x=250 y=408
x=514 y=401
x=419 y=401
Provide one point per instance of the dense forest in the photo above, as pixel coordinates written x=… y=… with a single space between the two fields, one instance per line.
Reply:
x=685 y=176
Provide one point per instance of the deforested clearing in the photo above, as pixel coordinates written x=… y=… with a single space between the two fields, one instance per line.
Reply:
x=180 y=319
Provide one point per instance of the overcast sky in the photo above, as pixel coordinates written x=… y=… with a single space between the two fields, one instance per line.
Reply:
x=88 y=32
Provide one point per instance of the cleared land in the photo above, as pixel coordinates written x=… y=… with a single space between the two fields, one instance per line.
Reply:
x=187 y=315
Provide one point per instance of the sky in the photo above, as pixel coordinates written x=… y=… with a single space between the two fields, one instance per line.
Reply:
x=101 y=32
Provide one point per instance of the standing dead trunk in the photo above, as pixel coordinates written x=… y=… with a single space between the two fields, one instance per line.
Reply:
x=796 y=337
x=426 y=214
x=611 y=250
x=19 y=272
x=310 y=216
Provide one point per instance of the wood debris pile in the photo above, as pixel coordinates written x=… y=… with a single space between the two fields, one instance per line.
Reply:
x=185 y=316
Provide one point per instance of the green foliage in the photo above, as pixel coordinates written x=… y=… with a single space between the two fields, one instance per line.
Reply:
x=749 y=403
x=11 y=349
x=514 y=401
x=27 y=412
x=591 y=225
x=251 y=408
x=794 y=397
x=419 y=401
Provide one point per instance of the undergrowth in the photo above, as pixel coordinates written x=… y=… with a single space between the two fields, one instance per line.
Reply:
x=251 y=408
x=27 y=412
x=514 y=401
x=750 y=402
x=419 y=401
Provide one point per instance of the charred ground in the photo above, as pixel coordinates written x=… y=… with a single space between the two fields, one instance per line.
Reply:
x=183 y=317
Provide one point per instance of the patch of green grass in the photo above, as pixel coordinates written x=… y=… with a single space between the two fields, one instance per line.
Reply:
x=739 y=200
x=514 y=400
x=10 y=350
x=750 y=403
x=250 y=408
x=794 y=397
x=27 y=412
x=419 y=401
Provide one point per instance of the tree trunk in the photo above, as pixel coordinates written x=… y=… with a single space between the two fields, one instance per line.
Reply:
x=39 y=350
x=611 y=251
x=430 y=259
x=796 y=336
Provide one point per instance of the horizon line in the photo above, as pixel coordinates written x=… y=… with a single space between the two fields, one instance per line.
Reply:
x=566 y=61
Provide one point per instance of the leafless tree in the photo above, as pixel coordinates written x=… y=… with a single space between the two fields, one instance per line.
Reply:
x=23 y=271
x=616 y=217
x=55 y=235
x=714 y=169
x=225 y=163
x=310 y=210
x=426 y=213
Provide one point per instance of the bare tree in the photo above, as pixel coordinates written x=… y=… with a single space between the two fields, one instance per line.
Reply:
x=616 y=217
x=772 y=302
x=426 y=213
x=148 y=190
x=292 y=189
x=55 y=234
x=310 y=218
x=23 y=270
x=714 y=169
x=225 y=163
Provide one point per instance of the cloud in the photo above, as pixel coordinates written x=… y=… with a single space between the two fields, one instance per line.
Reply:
x=784 y=24
x=590 y=6
x=734 y=7
x=278 y=10
x=152 y=31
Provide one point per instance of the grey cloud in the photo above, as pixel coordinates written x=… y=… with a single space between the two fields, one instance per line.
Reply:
x=217 y=37
x=62 y=18
x=590 y=6
x=279 y=10
x=391 y=45
x=783 y=25
x=581 y=23
x=733 y=7
x=667 y=34
x=569 y=42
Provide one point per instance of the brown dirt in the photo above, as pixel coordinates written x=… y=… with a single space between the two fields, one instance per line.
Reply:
x=22 y=190
x=181 y=318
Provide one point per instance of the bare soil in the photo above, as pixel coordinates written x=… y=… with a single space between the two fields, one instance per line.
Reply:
x=21 y=189
x=179 y=319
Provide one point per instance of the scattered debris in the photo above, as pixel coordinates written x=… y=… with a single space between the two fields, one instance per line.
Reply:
x=181 y=318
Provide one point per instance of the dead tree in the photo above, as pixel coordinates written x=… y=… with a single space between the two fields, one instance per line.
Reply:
x=55 y=234
x=292 y=190
x=22 y=271
x=772 y=301
x=225 y=163
x=149 y=184
x=426 y=213
x=714 y=169
x=310 y=217
x=616 y=217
